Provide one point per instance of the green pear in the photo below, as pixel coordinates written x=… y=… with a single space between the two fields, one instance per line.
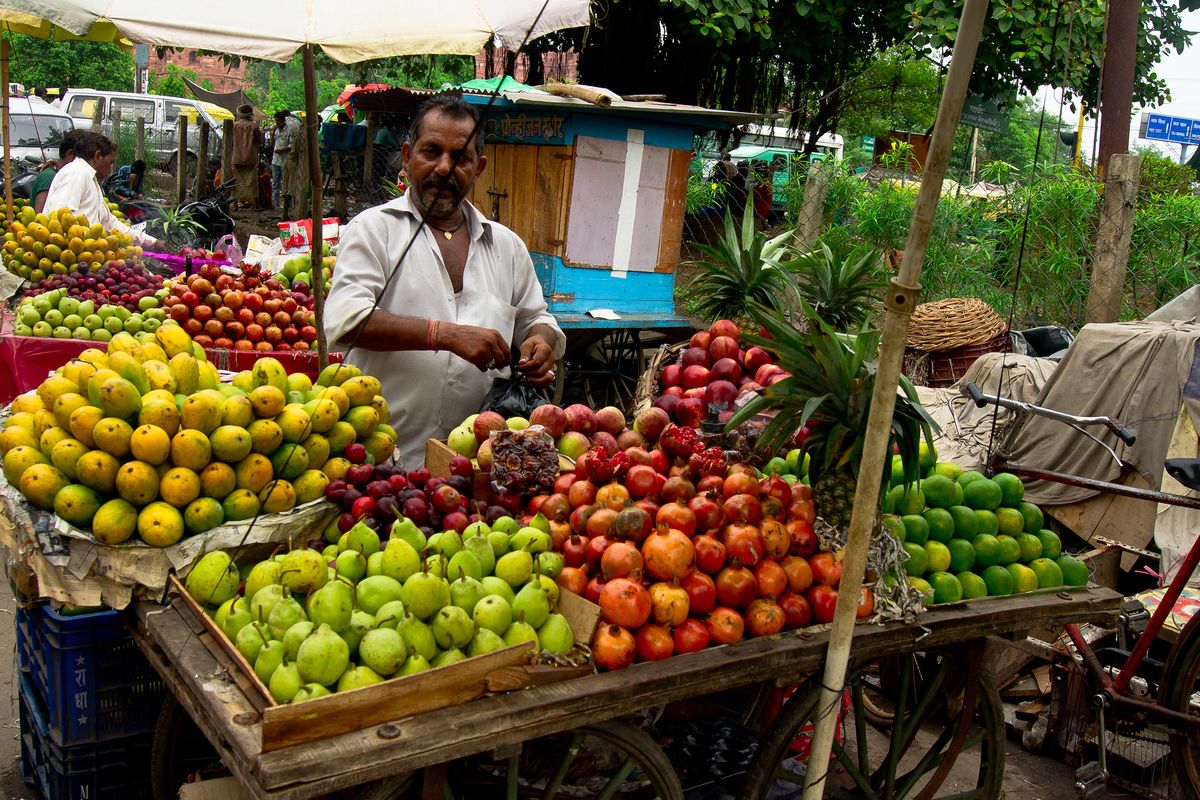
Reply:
x=389 y=614
x=552 y=590
x=506 y=524
x=308 y=691
x=294 y=637
x=376 y=590
x=399 y=560
x=418 y=636
x=550 y=564
x=332 y=535
x=435 y=565
x=360 y=623
x=357 y=677
x=304 y=571
x=498 y=539
x=555 y=634
x=539 y=522
x=446 y=543
x=363 y=538
x=285 y=683
x=530 y=539
x=383 y=650
x=214 y=579
x=269 y=659
x=286 y=613
x=330 y=553
x=414 y=664
x=464 y=562
x=250 y=641
x=332 y=605
x=482 y=549
x=485 y=641
x=515 y=567
x=452 y=627
x=343 y=541
x=493 y=613
x=448 y=657
x=424 y=595
x=466 y=592
x=532 y=604
x=521 y=632
x=323 y=657
x=407 y=530
x=499 y=587
x=264 y=601
x=233 y=615
x=351 y=564
x=264 y=573
x=375 y=564
x=477 y=528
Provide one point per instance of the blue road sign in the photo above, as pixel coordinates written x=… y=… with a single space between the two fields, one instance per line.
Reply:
x=1181 y=130
x=1164 y=128
x=1157 y=127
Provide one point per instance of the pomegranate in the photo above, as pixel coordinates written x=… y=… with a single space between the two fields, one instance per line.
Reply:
x=711 y=485
x=826 y=569
x=707 y=513
x=764 y=618
x=601 y=522
x=613 y=496
x=560 y=532
x=799 y=573
x=710 y=554
x=563 y=484
x=641 y=480
x=678 y=516
x=677 y=489
x=613 y=647
x=743 y=508
x=556 y=507
x=736 y=586
x=866 y=604
x=669 y=603
x=654 y=643
x=579 y=518
x=632 y=525
x=743 y=543
x=595 y=588
x=701 y=592
x=804 y=541
x=595 y=550
x=802 y=511
x=621 y=560
x=739 y=482
x=581 y=493
x=629 y=438
x=690 y=636
x=775 y=539
x=625 y=602
x=771 y=578
x=668 y=554
x=725 y=626
x=823 y=600
x=573 y=579
x=574 y=551
x=796 y=611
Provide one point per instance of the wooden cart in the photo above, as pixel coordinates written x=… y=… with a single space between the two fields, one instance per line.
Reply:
x=494 y=729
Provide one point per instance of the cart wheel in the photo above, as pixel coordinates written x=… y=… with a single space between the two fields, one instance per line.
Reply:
x=929 y=735
x=178 y=750
x=559 y=387
x=607 y=760
x=608 y=372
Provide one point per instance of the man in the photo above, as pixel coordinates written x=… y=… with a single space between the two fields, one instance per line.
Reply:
x=247 y=146
x=77 y=187
x=287 y=129
x=465 y=290
x=66 y=153
x=58 y=100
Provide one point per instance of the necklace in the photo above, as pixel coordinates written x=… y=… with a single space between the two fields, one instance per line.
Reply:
x=448 y=232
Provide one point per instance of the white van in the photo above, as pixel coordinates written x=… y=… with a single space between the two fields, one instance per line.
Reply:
x=160 y=113
x=37 y=128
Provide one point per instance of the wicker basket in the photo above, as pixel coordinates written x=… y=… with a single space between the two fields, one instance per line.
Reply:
x=952 y=324
x=947 y=367
x=647 y=388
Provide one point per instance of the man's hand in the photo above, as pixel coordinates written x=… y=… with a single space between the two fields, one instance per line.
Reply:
x=537 y=360
x=483 y=347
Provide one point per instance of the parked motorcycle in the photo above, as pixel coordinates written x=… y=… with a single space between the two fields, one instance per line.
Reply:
x=197 y=223
x=24 y=173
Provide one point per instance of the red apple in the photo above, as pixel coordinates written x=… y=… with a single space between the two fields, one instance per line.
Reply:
x=671 y=375
x=720 y=394
x=724 y=347
x=581 y=418
x=725 y=327
x=550 y=417
x=695 y=377
x=487 y=422
x=690 y=412
x=726 y=369
x=701 y=339
x=695 y=357
x=755 y=358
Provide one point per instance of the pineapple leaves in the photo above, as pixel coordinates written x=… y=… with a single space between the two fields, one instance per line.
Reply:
x=844 y=288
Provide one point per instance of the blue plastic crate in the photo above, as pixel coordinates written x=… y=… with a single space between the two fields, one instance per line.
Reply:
x=87 y=675
x=116 y=769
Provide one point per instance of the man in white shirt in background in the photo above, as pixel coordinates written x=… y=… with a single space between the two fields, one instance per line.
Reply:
x=77 y=187
x=462 y=298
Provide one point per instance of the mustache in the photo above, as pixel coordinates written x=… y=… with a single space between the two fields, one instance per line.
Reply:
x=439 y=183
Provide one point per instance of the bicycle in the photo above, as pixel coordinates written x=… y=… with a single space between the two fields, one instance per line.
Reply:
x=1177 y=705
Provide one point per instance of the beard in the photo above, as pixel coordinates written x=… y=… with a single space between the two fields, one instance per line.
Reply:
x=437 y=204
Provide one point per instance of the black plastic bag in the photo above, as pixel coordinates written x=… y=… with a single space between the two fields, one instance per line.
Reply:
x=515 y=396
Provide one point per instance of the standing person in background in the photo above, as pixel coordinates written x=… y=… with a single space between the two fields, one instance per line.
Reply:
x=58 y=101
x=66 y=152
x=247 y=144
x=295 y=173
x=764 y=190
x=287 y=130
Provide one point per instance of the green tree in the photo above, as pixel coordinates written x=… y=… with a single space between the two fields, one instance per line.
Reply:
x=91 y=65
x=171 y=84
x=898 y=90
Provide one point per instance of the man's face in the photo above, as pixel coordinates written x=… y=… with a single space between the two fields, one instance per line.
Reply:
x=103 y=164
x=279 y=122
x=442 y=164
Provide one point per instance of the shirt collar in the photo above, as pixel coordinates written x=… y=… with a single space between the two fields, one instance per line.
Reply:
x=477 y=223
x=84 y=167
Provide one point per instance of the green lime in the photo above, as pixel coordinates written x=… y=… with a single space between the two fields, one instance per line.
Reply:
x=972 y=585
x=1051 y=544
x=776 y=466
x=1024 y=579
x=969 y=476
x=962 y=555
x=916 y=529
x=1033 y=517
x=908 y=501
x=941 y=524
x=887 y=503
x=966 y=524
x=894 y=525
x=939 y=491
x=1049 y=575
x=987 y=522
x=1031 y=547
x=1010 y=551
x=999 y=581
x=918 y=560
x=949 y=469
x=983 y=494
x=1075 y=572
x=987 y=550
x=939 y=556
x=1011 y=521
x=946 y=588
x=926 y=456
x=1011 y=489
x=897 y=471
x=922 y=586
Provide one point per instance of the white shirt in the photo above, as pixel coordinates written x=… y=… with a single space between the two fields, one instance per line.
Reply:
x=430 y=393
x=285 y=140
x=75 y=187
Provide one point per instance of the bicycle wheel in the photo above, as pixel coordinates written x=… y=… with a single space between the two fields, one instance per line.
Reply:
x=913 y=759
x=1181 y=692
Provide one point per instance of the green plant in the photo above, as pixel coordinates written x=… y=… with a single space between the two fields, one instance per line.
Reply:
x=898 y=156
x=742 y=271
x=998 y=171
x=175 y=228
x=828 y=389
x=842 y=286
x=702 y=194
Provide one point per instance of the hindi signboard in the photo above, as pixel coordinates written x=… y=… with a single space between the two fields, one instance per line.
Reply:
x=1166 y=128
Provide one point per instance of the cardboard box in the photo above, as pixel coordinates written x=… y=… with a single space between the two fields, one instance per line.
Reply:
x=297 y=237
x=216 y=789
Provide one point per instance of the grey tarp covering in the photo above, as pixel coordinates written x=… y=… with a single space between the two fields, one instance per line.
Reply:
x=1140 y=372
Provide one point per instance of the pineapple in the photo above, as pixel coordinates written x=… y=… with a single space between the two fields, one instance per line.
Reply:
x=844 y=289
x=832 y=377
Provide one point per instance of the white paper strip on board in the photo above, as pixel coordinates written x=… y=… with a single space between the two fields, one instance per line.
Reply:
x=627 y=211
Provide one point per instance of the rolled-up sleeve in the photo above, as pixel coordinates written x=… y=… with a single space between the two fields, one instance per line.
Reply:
x=360 y=275
x=530 y=302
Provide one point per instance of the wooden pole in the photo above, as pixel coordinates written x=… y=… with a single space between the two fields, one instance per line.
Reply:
x=812 y=207
x=226 y=150
x=369 y=151
x=181 y=127
x=202 y=165
x=8 y=198
x=139 y=140
x=311 y=120
x=903 y=291
x=1120 y=63
x=1113 y=237
x=116 y=132
x=98 y=116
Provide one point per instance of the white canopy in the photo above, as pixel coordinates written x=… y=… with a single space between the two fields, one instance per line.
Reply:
x=347 y=30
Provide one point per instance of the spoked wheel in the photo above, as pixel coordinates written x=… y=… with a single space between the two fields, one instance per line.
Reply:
x=602 y=373
x=605 y=761
x=1181 y=692
x=948 y=718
